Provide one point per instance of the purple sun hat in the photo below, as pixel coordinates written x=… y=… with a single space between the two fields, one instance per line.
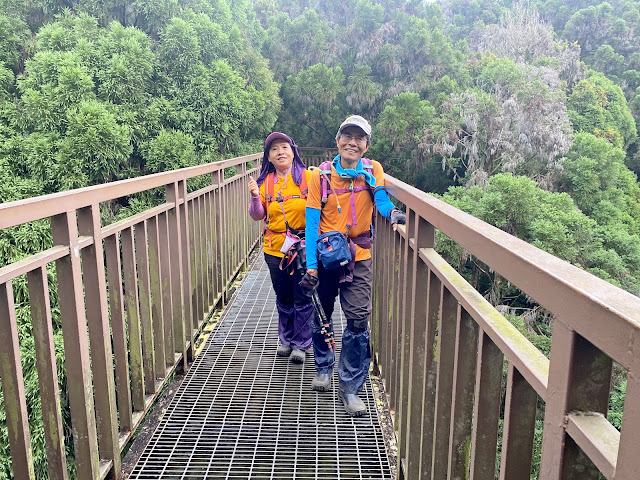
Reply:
x=267 y=167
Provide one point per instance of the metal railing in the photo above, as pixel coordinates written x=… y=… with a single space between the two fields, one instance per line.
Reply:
x=313 y=156
x=441 y=347
x=141 y=287
x=146 y=284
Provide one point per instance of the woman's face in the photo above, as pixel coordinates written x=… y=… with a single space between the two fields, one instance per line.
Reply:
x=281 y=154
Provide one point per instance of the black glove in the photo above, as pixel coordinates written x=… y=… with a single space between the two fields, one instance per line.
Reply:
x=308 y=284
x=398 y=216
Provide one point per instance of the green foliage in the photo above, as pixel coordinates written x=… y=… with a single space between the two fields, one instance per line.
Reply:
x=397 y=136
x=178 y=50
x=551 y=222
x=13 y=33
x=595 y=174
x=317 y=96
x=168 y=151
x=598 y=106
x=95 y=145
x=616 y=404
x=514 y=120
x=128 y=65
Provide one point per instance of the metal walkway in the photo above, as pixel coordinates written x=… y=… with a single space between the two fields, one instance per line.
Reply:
x=244 y=413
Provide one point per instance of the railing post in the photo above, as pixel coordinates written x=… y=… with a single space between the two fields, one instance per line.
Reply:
x=133 y=319
x=177 y=275
x=76 y=346
x=47 y=373
x=220 y=222
x=519 y=427
x=165 y=281
x=146 y=323
x=394 y=361
x=194 y=291
x=203 y=305
x=449 y=318
x=13 y=388
x=486 y=409
x=99 y=335
x=579 y=379
x=462 y=406
x=208 y=252
x=630 y=433
x=186 y=267
x=157 y=315
x=405 y=290
x=409 y=443
x=430 y=374
x=118 y=326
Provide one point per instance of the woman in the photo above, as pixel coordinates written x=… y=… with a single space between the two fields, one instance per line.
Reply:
x=279 y=197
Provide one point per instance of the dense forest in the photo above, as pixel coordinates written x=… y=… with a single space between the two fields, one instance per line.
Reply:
x=525 y=115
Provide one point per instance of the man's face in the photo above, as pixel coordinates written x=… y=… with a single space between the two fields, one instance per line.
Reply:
x=352 y=144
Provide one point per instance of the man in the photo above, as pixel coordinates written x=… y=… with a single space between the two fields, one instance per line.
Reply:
x=344 y=203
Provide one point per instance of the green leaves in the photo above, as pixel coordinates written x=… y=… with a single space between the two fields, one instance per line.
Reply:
x=170 y=150
x=95 y=144
x=552 y=222
x=598 y=106
x=314 y=98
x=178 y=50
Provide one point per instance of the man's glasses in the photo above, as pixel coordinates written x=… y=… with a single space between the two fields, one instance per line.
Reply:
x=357 y=138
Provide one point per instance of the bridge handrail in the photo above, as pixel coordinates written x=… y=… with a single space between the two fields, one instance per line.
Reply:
x=29 y=209
x=440 y=347
x=145 y=284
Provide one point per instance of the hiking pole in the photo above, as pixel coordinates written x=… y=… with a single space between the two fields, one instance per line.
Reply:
x=325 y=326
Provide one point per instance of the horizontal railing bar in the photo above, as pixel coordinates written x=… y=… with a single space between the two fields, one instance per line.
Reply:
x=84 y=241
x=28 y=264
x=604 y=314
x=135 y=219
x=210 y=188
x=30 y=209
x=202 y=191
x=529 y=361
x=600 y=440
x=105 y=466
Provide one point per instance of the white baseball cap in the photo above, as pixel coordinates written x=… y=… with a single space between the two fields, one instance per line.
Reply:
x=356 y=121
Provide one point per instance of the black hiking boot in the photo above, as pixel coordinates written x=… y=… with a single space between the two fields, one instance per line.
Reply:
x=321 y=382
x=353 y=405
x=283 y=350
x=297 y=356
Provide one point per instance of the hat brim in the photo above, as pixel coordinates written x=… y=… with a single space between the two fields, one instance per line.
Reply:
x=276 y=136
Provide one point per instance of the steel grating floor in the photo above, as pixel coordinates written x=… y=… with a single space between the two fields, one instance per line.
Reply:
x=243 y=413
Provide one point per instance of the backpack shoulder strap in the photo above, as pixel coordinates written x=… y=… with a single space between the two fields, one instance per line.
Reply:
x=325 y=174
x=303 y=185
x=368 y=165
x=268 y=196
x=268 y=187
